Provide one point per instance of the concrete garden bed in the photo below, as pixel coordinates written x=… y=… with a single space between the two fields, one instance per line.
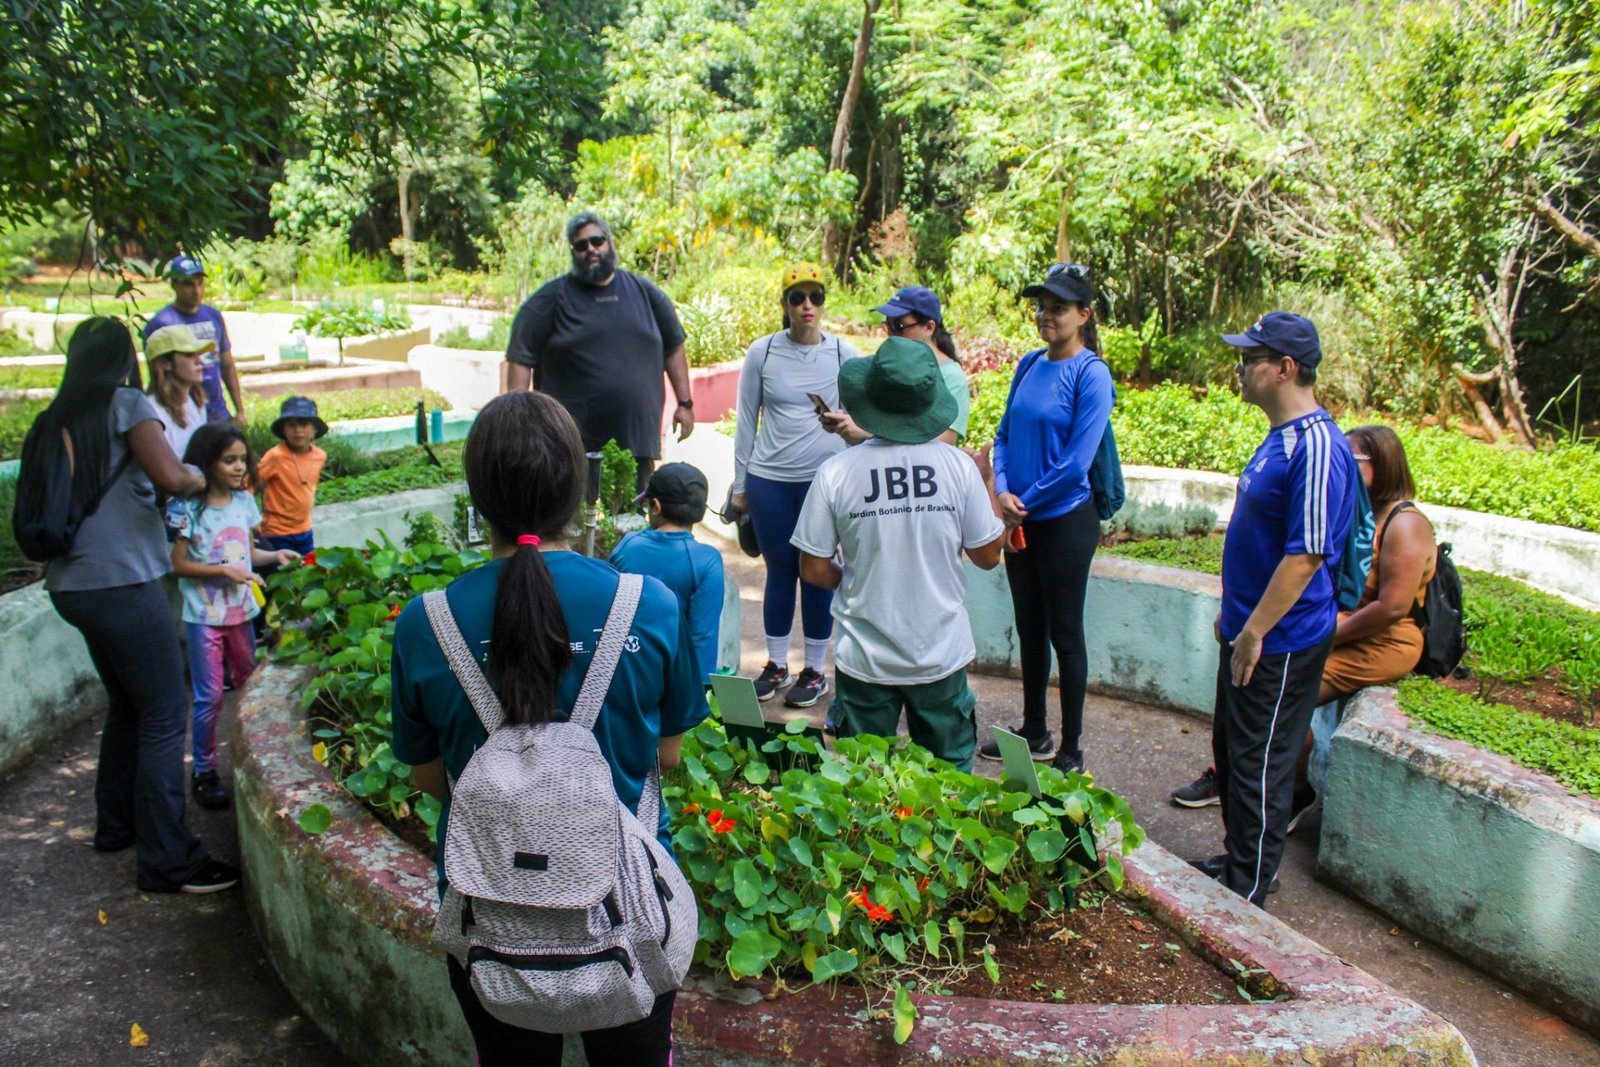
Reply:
x=469 y=377
x=1497 y=862
x=345 y=917
x=389 y=347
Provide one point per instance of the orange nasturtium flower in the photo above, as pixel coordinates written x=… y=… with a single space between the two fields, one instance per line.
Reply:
x=875 y=912
x=394 y=612
x=310 y=559
x=720 y=824
x=902 y=813
x=691 y=809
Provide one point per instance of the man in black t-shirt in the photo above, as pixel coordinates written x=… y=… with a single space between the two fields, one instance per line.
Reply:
x=598 y=339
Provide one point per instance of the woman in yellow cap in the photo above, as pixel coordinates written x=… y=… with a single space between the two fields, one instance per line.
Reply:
x=777 y=447
x=175 y=356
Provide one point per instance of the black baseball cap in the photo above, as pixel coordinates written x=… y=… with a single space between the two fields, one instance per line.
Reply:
x=675 y=483
x=1284 y=332
x=1067 y=281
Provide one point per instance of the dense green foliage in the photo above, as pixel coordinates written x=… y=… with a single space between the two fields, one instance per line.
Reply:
x=496 y=340
x=1418 y=175
x=1203 y=554
x=1516 y=634
x=882 y=863
x=1569 y=754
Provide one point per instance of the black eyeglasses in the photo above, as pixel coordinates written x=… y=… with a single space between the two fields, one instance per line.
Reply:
x=1264 y=357
x=1073 y=270
x=584 y=243
x=796 y=297
x=900 y=326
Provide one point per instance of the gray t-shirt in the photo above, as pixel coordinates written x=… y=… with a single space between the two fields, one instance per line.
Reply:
x=777 y=434
x=902 y=514
x=124 y=542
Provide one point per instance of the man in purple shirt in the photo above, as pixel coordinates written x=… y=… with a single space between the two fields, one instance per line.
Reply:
x=188 y=279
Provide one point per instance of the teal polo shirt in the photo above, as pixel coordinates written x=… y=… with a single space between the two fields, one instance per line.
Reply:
x=657 y=690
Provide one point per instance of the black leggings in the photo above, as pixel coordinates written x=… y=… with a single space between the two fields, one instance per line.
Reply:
x=138 y=789
x=646 y=1043
x=1049 y=580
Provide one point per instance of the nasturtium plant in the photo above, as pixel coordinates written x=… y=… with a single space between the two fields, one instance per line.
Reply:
x=882 y=863
x=339 y=608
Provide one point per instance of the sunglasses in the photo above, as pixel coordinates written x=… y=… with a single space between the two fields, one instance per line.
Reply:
x=1072 y=270
x=585 y=243
x=796 y=297
x=900 y=326
x=1265 y=357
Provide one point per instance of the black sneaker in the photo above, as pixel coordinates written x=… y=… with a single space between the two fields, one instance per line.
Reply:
x=1043 y=749
x=1202 y=793
x=806 y=690
x=1307 y=802
x=771 y=679
x=214 y=877
x=208 y=790
x=1212 y=866
x=1067 y=763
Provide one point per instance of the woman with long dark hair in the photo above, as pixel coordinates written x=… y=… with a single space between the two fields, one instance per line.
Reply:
x=108 y=586
x=532 y=616
x=1055 y=416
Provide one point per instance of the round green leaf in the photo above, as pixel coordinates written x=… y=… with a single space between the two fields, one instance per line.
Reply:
x=316 y=819
x=833 y=965
x=752 y=951
x=746 y=883
x=1047 y=845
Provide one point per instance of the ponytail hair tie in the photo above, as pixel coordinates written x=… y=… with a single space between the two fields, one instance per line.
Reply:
x=529 y=539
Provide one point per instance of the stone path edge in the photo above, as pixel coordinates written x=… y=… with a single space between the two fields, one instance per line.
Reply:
x=346 y=917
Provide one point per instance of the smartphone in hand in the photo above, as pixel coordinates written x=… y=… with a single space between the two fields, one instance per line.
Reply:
x=817 y=402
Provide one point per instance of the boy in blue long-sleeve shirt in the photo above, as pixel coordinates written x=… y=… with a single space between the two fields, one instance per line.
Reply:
x=676 y=500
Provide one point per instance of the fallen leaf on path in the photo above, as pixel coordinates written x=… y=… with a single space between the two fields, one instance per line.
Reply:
x=138 y=1038
x=103 y=917
x=1394 y=931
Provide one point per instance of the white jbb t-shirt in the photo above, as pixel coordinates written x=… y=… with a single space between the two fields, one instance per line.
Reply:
x=902 y=514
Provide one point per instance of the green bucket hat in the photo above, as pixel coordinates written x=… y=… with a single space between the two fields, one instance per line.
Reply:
x=899 y=394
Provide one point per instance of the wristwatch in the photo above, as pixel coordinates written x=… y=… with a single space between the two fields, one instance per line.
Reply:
x=687 y=404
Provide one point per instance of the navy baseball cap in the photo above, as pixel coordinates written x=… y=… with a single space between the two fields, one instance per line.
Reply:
x=917 y=299
x=1285 y=333
x=184 y=267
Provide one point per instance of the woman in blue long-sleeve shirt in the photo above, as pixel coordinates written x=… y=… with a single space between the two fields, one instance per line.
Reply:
x=1056 y=414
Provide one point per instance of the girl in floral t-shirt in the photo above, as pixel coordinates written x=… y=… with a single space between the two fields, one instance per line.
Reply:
x=214 y=561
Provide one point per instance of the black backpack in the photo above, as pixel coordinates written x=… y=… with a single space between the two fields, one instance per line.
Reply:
x=44 y=521
x=1444 y=638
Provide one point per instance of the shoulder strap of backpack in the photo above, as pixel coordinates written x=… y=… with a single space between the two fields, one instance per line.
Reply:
x=608 y=652
x=462 y=664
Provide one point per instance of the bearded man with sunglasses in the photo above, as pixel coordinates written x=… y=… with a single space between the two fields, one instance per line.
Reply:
x=598 y=340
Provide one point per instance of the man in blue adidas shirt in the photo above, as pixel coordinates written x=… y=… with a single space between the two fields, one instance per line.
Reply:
x=1291 y=513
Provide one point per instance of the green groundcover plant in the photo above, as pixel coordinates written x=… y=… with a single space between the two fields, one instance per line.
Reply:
x=1569 y=754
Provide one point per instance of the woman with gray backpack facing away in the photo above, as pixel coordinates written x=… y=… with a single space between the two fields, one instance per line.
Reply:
x=536 y=697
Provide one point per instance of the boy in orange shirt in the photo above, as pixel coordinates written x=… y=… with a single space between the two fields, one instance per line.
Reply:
x=288 y=475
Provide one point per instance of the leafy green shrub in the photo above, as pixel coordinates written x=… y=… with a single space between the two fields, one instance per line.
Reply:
x=14 y=344
x=26 y=376
x=883 y=863
x=498 y=339
x=416 y=473
x=16 y=418
x=341 y=319
x=711 y=331
x=344 y=602
x=1569 y=754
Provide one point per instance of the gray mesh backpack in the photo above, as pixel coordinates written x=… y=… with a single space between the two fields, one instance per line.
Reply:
x=564 y=909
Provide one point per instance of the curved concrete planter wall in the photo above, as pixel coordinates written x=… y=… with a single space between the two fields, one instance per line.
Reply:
x=346 y=917
x=46 y=680
x=1496 y=861
x=1557 y=558
x=1151 y=638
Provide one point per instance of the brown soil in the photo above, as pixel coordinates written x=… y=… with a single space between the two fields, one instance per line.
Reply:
x=1543 y=696
x=1111 y=952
